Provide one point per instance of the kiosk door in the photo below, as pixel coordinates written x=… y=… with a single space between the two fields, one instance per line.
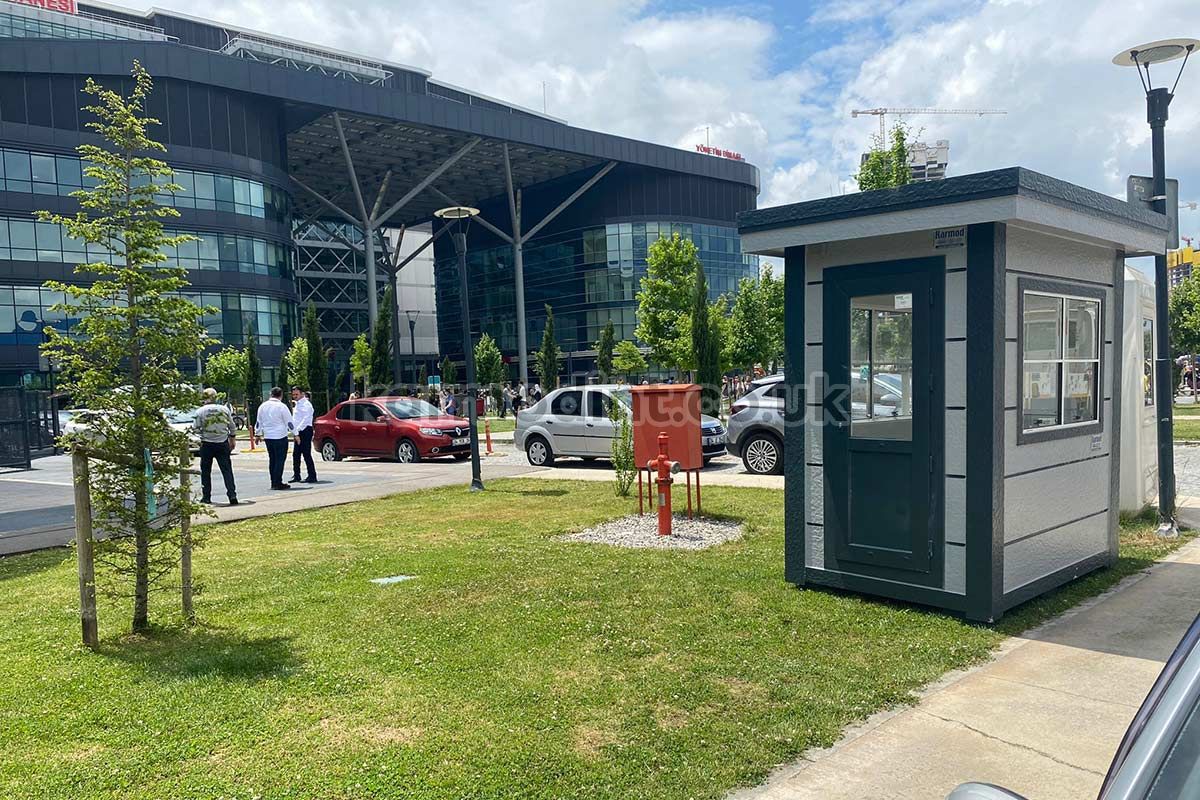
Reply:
x=879 y=514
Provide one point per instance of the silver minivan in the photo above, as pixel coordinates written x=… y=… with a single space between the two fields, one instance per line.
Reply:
x=574 y=421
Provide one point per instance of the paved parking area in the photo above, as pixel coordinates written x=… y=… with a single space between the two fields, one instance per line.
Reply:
x=39 y=511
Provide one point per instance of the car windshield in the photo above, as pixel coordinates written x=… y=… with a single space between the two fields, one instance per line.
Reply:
x=624 y=397
x=411 y=408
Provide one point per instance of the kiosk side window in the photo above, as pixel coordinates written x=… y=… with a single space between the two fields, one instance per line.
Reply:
x=1061 y=345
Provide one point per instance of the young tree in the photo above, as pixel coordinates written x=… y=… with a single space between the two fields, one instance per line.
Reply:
x=122 y=359
x=422 y=378
x=317 y=365
x=748 y=342
x=604 y=352
x=886 y=165
x=628 y=359
x=664 y=301
x=624 y=466
x=706 y=345
x=489 y=367
x=381 y=348
x=449 y=372
x=770 y=291
x=360 y=363
x=225 y=371
x=253 y=383
x=1183 y=309
x=293 y=368
x=549 y=355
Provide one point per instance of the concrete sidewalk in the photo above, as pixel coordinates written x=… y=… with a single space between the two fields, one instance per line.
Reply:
x=1043 y=718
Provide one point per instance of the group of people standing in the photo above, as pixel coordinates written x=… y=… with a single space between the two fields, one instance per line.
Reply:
x=275 y=424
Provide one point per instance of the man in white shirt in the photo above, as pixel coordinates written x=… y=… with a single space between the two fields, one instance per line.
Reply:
x=274 y=424
x=302 y=418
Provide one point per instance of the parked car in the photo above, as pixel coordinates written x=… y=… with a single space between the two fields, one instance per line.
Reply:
x=1159 y=756
x=78 y=423
x=756 y=427
x=407 y=429
x=574 y=421
x=756 y=418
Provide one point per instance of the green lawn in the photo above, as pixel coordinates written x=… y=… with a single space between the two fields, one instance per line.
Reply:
x=515 y=665
x=500 y=425
x=1187 y=422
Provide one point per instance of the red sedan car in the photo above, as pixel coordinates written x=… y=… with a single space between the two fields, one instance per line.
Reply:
x=404 y=428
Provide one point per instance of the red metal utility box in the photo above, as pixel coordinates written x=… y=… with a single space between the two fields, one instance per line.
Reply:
x=673 y=409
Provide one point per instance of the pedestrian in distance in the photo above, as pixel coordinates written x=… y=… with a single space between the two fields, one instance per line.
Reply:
x=302 y=418
x=218 y=436
x=274 y=424
x=451 y=405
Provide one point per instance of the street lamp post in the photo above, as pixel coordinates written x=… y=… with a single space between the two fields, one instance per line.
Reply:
x=460 y=216
x=1157 y=102
x=412 y=340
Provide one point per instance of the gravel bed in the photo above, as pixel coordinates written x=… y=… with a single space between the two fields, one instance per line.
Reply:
x=686 y=534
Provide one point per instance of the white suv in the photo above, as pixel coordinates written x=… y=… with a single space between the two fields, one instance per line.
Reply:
x=574 y=421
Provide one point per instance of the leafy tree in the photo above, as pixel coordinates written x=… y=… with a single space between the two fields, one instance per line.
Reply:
x=317 y=367
x=283 y=375
x=293 y=368
x=665 y=299
x=253 y=385
x=771 y=295
x=226 y=371
x=489 y=367
x=748 y=342
x=360 y=363
x=449 y=372
x=381 y=348
x=549 y=355
x=604 y=352
x=1183 y=308
x=886 y=165
x=706 y=345
x=624 y=467
x=628 y=359
x=122 y=358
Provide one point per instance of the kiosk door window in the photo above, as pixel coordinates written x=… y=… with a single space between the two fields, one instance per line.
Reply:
x=878 y=413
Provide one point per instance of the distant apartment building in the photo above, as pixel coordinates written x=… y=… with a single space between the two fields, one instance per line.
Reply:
x=925 y=162
x=1180 y=264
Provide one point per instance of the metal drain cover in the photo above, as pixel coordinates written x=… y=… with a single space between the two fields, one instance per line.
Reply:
x=393 y=579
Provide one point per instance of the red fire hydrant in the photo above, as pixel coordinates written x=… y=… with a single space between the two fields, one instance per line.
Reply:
x=665 y=468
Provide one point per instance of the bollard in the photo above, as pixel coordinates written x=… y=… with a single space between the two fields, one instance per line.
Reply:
x=487 y=432
x=665 y=468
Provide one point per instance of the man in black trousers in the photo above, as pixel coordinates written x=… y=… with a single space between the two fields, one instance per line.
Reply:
x=214 y=426
x=302 y=418
x=274 y=424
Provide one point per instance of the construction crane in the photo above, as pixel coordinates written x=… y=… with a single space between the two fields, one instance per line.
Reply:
x=883 y=112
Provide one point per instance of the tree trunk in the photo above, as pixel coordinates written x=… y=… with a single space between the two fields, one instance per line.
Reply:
x=141 y=525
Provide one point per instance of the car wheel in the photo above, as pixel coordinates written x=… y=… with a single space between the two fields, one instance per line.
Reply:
x=407 y=452
x=538 y=451
x=763 y=455
x=329 y=451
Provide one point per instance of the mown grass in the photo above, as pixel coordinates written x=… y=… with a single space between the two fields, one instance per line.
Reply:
x=1186 y=427
x=514 y=665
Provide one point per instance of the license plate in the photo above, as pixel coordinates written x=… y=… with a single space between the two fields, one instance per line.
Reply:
x=709 y=441
x=460 y=442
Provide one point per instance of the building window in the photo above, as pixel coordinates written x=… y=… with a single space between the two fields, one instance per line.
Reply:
x=1060 y=344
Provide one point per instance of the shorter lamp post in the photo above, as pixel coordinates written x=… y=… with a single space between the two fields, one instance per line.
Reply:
x=460 y=217
x=412 y=340
x=1157 y=102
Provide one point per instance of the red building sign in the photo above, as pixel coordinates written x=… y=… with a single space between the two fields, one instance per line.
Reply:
x=716 y=151
x=64 y=6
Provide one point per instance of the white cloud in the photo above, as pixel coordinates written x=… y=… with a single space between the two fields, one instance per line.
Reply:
x=627 y=67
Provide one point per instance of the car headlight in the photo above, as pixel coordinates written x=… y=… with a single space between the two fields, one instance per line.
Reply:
x=431 y=431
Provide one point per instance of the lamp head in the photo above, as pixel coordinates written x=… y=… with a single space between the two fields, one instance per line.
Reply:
x=456 y=212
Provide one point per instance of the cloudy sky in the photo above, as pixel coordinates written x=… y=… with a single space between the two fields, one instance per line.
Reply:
x=776 y=81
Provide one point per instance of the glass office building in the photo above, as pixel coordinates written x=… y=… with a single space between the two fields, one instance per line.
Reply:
x=259 y=130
